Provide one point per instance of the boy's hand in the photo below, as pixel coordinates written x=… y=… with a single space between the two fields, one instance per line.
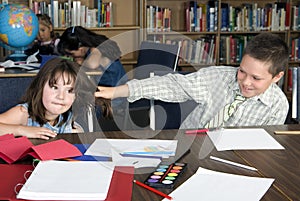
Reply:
x=112 y=92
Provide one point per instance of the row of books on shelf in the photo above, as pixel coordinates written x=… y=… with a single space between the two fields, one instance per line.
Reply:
x=203 y=49
x=251 y=17
x=200 y=51
x=201 y=17
x=231 y=48
x=158 y=18
x=75 y=13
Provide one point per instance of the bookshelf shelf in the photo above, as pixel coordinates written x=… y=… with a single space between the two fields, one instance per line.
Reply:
x=181 y=32
x=122 y=28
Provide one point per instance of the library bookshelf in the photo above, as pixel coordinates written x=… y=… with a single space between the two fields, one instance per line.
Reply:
x=226 y=26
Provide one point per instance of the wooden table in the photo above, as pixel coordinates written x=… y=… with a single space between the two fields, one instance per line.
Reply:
x=283 y=165
x=200 y=148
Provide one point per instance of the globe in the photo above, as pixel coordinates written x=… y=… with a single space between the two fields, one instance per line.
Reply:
x=19 y=26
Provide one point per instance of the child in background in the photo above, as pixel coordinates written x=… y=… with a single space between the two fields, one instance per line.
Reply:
x=94 y=51
x=46 y=109
x=47 y=40
x=97 y=52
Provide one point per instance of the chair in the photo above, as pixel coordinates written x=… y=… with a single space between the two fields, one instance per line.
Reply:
x=155 y=57
x=167 y=115
x=12 y=89
x=151 y=57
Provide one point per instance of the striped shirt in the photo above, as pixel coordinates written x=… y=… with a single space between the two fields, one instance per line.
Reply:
x=212 y=88
x=65 y=128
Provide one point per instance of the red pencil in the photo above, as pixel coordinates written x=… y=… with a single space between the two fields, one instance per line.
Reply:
x=196 y=131
x=153 y=190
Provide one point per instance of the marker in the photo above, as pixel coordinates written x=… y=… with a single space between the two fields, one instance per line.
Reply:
x=196 y=131
x=153 y=190
x=233 y=163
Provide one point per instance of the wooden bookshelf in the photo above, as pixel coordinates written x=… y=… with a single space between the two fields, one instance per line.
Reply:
x=179 y=29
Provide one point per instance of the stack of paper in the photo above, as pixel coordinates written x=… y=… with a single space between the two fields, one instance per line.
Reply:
x=62 y=180
x=133 y=147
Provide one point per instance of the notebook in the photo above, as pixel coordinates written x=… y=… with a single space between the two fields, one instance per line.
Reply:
x=10 y=175
x=63 y=180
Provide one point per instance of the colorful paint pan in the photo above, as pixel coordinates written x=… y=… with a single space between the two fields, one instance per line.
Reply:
x=165 y=176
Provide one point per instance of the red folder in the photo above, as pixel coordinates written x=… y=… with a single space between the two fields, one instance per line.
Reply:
x=11 y=175
x=13 y=149
x=57 y=149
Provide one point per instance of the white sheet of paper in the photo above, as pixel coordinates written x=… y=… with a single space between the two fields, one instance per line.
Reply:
x=103 y=147
x=65 y=180
x=208 y=185
x=243 y=139
x=137 y=162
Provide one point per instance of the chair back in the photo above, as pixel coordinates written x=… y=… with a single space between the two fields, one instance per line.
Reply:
x=155 y=57
x=12 y=89
x=151 y=57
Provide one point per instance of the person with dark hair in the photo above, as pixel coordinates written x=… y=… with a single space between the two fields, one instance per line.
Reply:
x=94 y=51
x=227 y=96
x=46 y=108
x=47 y=41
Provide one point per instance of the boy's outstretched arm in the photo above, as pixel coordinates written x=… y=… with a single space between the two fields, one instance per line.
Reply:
x=112 y=92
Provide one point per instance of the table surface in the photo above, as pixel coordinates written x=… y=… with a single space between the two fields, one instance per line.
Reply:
x=283 y=165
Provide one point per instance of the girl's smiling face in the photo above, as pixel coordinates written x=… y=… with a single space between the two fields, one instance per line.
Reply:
x=58 y=98
x=254 y=77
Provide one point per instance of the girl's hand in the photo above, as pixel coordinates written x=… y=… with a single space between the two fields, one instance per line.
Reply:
x=36 y=132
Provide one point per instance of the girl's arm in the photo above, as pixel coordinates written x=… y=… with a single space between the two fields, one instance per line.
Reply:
x=15 y=121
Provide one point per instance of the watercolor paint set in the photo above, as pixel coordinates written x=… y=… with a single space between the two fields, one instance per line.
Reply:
x=165 y=175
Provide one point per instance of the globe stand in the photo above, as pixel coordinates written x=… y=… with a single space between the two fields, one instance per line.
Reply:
x=18 y=55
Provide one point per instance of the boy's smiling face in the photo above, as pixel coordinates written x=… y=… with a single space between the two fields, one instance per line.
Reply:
x=254 y=77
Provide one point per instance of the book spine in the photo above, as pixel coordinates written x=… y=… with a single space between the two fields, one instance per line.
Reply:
x=99 y=19
x=294 y=92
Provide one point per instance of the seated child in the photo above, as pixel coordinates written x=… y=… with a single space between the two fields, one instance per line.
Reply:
x=46 y=41
x=46 y=108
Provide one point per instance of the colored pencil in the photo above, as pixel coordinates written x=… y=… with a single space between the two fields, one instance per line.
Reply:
x=196 y=131
x=153 y=190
